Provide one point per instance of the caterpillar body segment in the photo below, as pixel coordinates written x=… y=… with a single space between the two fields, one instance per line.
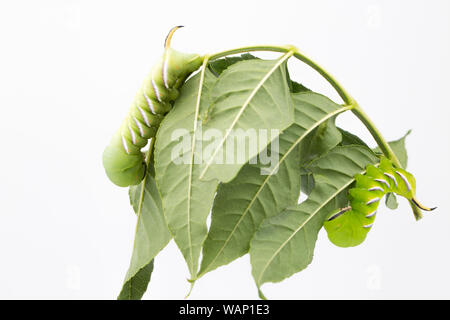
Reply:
x=343 y=232
x=122 y=159
x=348 y=227
x=121 y=167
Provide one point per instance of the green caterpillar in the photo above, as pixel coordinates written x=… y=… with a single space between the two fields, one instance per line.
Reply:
x=122 y=159
x=348 y=227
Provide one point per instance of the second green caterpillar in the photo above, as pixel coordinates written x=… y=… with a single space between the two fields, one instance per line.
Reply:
x=347 y=227
x=122 y=159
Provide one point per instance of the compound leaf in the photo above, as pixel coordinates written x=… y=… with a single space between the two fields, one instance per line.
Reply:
x=257 y=192
x=284 y=244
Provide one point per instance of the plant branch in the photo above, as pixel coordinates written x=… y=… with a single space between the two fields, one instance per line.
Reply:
x=340 y=90
x=384 y=146
x=345 y=96
x=376 y=134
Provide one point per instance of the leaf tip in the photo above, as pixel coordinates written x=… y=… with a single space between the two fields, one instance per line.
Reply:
x=261 y=294
x=192 y=282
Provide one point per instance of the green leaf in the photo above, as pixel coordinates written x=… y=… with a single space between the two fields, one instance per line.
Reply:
x=349 y=139
x=320 y=142
x=295 y=87
x=250 y=96
x=321 y=146
x=391 y=201
x=219 y=65
x=307 y=182
x=324 y=138
x=152 y=235
x=242 y=204
x=298 y=87
x=284 y=244
x=186 y=200
x=135 y=287
x=399 y=148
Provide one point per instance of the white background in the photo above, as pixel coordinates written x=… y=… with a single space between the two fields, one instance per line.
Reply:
x=69 y=70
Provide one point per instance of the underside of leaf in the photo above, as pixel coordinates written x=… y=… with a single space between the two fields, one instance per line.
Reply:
x=151 y=236
x=254 y=195
x=284 y=244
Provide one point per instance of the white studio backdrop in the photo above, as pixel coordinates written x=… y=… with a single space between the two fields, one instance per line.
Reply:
x=69 y=71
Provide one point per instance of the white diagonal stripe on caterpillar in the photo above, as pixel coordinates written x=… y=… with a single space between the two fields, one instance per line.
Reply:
x=376 y=188
x=125 y=145
x=139 y=125
x=371 y=214
x=392 y=177
x=384 y=182
x=133 y=136
x=404 y=180
x=147 y=123
x=367 y=226
x=164 y=70
x=372 y=201
x=150 y=104
x=155 y=88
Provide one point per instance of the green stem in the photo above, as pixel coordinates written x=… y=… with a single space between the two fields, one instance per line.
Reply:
x=345 y=96
x=376 y=134
x=384 y=146
x=225 y=53
x=340 y=90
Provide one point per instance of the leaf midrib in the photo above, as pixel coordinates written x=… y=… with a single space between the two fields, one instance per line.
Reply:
x=141 y=201
x=300 y=227
x=191 y=165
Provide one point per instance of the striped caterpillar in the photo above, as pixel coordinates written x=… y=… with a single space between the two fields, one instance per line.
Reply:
x=348 y=227
x=122 y=159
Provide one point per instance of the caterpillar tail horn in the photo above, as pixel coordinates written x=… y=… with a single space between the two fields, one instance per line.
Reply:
x=170 y=35
x=421 y=206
